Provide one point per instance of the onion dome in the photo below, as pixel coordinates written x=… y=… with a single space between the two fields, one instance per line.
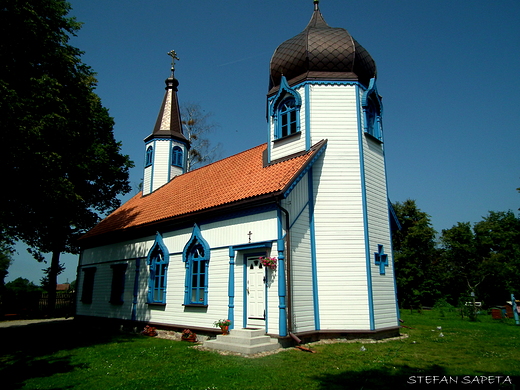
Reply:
x=321 y=52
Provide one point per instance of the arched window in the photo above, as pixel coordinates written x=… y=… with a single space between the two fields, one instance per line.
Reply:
x=196 y=255
x=287 y=121
x=177 y=156
x=372 y=109
x=149 y=156
x=285 y=111
x=158 y=259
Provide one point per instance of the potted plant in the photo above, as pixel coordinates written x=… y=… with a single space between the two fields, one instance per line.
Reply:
x=149 y=331
x=269 y=262
x=223 y=325
x=188 y=335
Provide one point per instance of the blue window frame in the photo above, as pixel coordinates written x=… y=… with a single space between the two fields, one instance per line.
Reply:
x=177 y=156
x=372 y=109
x=118 y=283
x=158 y=259
x=196 y=255
x=285 y=111
x=287 y=118
x=149 y=156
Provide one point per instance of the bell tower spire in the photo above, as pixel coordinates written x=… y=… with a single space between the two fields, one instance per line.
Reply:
x=167 y=147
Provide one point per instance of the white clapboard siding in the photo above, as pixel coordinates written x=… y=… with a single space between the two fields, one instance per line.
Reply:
x=161 y=164
x=383 y=286
x=147 y=180
x=339 y=222
x=302 y=303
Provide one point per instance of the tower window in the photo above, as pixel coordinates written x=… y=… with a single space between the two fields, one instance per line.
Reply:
x=287 y=118
x=177 y=156
x=149 y=156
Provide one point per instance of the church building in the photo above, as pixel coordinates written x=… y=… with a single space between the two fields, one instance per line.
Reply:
x=292 y=237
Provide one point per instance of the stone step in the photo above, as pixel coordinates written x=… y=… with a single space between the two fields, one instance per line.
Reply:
x=246 y=341
x=245 y=349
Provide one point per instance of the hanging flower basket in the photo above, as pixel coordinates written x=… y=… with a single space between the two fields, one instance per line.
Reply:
x=269 y=262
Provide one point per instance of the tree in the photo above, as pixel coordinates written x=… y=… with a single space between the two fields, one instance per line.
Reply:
x=196 y=129
x=498 y=245
x=5 y=262
x=485 y=257
x=64 y=167
x=415 y=256
x=465 y=271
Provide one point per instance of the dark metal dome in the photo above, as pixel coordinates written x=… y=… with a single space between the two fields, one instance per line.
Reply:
x=321 y=52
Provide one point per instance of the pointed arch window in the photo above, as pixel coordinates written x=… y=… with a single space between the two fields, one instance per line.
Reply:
x=287 y=118
x=285 y=111
x=196 y=256
x=149 y=156
x=158 y=259
x=177 y=156
x=372 y=109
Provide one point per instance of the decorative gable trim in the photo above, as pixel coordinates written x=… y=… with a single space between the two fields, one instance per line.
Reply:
x=282 y=94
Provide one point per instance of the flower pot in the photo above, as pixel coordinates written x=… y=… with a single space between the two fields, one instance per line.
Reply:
x=224 y=329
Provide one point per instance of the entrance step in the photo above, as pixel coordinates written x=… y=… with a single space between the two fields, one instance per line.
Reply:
x=246 y=341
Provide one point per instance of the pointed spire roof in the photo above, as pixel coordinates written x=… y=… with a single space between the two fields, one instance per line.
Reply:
x=321 y=52
x=169 y=123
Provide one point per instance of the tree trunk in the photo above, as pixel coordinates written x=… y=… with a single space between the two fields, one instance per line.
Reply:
x=53 y=281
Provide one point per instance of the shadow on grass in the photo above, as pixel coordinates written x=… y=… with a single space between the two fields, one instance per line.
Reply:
x=381 y=378
x=406 y=377
x=25 y=350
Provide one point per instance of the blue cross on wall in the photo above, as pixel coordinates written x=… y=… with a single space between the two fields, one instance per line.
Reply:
x=381 y=259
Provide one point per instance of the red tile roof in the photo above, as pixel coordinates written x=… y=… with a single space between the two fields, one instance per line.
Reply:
x=233 y=179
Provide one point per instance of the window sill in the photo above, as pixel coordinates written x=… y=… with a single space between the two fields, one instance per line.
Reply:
x=368 y=135
x=155 y=304
x=194 y=305
x=293 y=135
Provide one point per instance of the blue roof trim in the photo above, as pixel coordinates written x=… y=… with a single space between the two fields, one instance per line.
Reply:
x=394 y=221
x=302 y=174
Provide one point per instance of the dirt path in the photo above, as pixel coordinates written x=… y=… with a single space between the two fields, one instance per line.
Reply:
x=7 y=324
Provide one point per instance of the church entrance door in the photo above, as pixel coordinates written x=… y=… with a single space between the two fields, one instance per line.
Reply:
x=255 y=290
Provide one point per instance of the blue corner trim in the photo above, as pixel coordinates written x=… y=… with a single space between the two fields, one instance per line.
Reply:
x=317 y=323
x=307 y=117
x=231 y=288
x=282 y=288
x=136 y=289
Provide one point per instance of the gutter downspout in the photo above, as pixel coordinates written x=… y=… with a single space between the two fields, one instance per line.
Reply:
x=288 y=269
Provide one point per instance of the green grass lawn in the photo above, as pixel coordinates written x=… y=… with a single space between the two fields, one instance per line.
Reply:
x=64 y=356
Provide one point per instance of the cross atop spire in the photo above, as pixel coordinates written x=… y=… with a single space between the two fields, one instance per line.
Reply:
x=174 y=57
x=316 y=3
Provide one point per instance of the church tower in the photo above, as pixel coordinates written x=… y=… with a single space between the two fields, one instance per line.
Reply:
x=167 y=147
x=322 y=86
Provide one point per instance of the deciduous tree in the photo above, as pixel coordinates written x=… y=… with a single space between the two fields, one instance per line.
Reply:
x=415 y=256
x=63 y=167
x=197 y=129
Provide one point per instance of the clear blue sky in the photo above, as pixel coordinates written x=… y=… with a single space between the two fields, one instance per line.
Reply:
x=448 y=72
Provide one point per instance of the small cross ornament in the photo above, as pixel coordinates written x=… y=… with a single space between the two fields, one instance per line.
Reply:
x=381 y=259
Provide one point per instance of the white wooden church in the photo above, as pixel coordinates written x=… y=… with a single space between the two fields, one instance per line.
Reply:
x=191 y=248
